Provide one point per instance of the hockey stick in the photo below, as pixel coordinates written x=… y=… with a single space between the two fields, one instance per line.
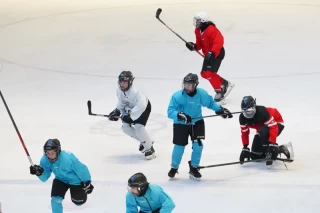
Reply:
x=238 y=162
x=17 y=130
x=157 y=16
x=93 y=114
x=209 y=116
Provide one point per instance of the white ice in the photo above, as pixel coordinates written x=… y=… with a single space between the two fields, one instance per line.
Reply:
x=55 y=55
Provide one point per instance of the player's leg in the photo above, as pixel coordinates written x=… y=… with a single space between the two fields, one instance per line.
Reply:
x=180 y=140
x=271 y=149
x=210 y=72
x=283 y=149
x=78 y=195
x=129 y=130
x=58 y=191
x=197 y=137
x=257 y=150
x=146 y=144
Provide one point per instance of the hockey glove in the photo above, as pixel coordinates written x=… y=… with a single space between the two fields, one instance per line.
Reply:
x=225 y=113
x=87 y=187
x=36 y=170
x=184 y=117
x=191 y=46
x=272 y=152
x=209 y=56
x=114 y=115
x=245 y=154
x=126 y=119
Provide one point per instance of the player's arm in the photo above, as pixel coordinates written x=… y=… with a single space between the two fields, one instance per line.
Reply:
x=167 y=203
x=273 y=129
x=198 y=45
x=218 y=41
x=131 y=204
x=80 y=169
x=173 y=109
x=42 y=171
x=209 y=102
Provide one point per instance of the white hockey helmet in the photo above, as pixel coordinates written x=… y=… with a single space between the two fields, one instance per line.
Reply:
x=199 y=18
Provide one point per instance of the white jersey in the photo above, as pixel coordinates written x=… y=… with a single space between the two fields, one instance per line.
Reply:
x=133 y=100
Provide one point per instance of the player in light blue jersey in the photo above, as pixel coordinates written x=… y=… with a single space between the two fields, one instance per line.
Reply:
x=143 y=197
x=69 y=173
x=185 y=109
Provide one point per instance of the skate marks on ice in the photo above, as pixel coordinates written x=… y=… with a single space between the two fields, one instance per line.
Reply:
x=156 y=123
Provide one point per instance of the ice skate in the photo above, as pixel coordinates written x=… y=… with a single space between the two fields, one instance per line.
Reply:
x=172 y=173
x=194 y=172
x=150 y=154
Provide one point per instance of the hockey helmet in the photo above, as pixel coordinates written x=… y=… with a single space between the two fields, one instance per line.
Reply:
x=190 y=79
x=199 y=18
x=139 y=182
x=125 y=76
x=52 y=144
x=248 y=106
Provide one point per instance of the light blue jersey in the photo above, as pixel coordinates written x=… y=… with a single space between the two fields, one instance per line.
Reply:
x=153 y=199
x=182 y=102
x=67 y=168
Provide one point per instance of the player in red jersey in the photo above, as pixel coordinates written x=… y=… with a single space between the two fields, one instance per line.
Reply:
x=210 y=40
x=268 y=123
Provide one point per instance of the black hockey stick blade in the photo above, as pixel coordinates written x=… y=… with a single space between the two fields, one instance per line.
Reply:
x=159 y=10
x=89 y=107
x=93 y=114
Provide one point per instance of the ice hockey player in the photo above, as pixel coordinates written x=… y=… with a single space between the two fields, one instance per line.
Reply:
x=69 y=173
x=210 y=40
x=185 y=111
x=268 y=123
x=134 y=109
x=148 y=197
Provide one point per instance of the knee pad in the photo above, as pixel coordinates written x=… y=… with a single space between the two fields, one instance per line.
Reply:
x=197 y=146
x=78 y=202
x=126 y=127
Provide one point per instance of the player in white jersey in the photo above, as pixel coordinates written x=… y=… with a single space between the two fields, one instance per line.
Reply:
x=134 y=109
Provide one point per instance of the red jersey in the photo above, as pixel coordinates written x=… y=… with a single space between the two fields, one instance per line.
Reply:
x=263 y=116
x=209 y=40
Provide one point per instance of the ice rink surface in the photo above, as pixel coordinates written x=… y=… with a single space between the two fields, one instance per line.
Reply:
x=56 y=55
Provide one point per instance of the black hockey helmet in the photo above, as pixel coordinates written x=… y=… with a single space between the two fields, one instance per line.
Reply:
x=52 y=144
x=125 y=76
x=248 y=106
x=190 y=79
x=138 y=181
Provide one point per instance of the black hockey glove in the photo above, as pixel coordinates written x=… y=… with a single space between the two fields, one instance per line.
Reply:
x=36 y=170
x=184 y=117
x=126 y=119
x=209 y=56
x=191 y=46
x=87 y=187
x=114 y=115
x=225 y=113
x=245 y=154
x=272 y=151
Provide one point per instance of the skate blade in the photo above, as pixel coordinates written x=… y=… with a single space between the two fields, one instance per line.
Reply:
x=150 y=157
x=194 y=178
x=222 y=102
x=229 y=90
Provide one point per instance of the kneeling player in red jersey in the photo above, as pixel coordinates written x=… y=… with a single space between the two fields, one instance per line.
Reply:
x=268 y=123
